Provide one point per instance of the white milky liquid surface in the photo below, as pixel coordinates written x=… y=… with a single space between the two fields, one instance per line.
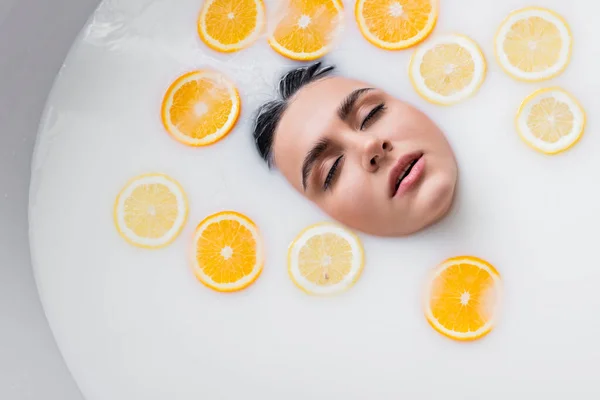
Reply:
x=136 y=324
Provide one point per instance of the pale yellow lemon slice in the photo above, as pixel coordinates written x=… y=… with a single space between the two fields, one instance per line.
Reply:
x=550 y=120
x=228 y=252
x=462 y=298
x=306 y=29
x=200 y=108
x=533 y=44
x=447 y=69
x=151 y=210
x=231 y=25
x=396 y=24
x=325 y=259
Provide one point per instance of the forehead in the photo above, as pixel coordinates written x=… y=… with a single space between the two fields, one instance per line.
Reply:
x=311 y=115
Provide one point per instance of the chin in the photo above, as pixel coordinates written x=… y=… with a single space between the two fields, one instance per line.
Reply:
x=435 y=201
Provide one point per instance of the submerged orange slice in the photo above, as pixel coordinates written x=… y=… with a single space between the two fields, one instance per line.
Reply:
x=550 y=120
x=306 y=29
x=325 y=259
x=200 y=108
x=447 y=69
x=151 y=211
x=533 y=44
x=228 y=253
x=231 y=25
x=462 y=298
x=396 y=24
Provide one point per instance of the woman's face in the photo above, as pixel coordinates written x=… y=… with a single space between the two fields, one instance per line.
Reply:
x=369 y=160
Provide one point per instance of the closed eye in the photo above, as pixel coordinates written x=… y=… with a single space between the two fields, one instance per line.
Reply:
x=332 y=174
x=372 y=115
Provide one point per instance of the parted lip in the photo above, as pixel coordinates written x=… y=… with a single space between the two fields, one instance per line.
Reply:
x=399 y=168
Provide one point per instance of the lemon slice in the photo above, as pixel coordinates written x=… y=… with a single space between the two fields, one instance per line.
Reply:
x=533 y=44
x=550 y=120
x=462 y=298
x=228 y=252
x=306 y=29
x=151 y=211
x=231 y=25
x=200 y=108
x=447 y=69
x=396 y=24
x=325 y=259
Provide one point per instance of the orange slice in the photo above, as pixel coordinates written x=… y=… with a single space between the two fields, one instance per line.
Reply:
x=462 y=298
x=151 y=211
x=447 y=69
x=228 y=253
x=533 y=44
x=306 y=29
x=200 y=108
x=396 y=24
x=231 y=25
x=325 y=259
x=550 y=120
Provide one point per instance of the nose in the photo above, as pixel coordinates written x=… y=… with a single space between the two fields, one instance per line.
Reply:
x=374 y=152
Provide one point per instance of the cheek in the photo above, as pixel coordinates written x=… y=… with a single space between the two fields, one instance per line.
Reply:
x=439 y=192
x=409 y=123
x=402 y=126
x=354 y=200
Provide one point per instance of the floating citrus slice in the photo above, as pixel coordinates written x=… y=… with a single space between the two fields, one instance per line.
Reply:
x=200 y=108
x=462 y=298
x=151 y=211
x=306 y=29
x=533 y=44
x=396 y=24
x=231 y=25
x=550 y=120
x=447 y=69
x=325 y=259
x=228 y=253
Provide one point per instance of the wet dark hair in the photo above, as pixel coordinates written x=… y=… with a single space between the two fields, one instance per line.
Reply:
x=269 y=114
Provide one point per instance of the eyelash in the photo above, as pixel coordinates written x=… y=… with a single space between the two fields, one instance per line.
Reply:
x=372 y=114
x=369 y=118
x=332 y=173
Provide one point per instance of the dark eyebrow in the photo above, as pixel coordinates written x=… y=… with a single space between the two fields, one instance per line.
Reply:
x=311 y=158
x=349 y=102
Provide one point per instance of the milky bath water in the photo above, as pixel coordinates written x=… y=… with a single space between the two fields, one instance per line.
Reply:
x=136 y=324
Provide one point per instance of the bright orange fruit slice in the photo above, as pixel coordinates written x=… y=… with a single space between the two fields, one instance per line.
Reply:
x=462 y=298
x=228 y=252
x=396 y=24
x=200 y=108
x=231 y=25
x=306 y=29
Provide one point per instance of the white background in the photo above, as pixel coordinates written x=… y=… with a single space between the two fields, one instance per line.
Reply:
x=35 y=36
